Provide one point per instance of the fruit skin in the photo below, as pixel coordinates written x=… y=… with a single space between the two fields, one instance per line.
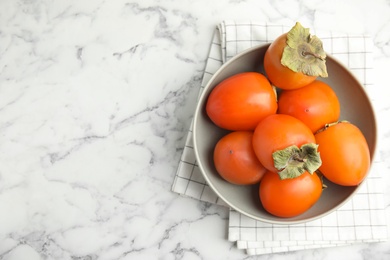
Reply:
x=235 y=159
x=277 y=132
x=289 y=197
x=280 y=75
x=345 y=154
x=315 y=104
x=241 y=101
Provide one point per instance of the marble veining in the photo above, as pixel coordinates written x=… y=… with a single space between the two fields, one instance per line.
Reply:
x=95 y=101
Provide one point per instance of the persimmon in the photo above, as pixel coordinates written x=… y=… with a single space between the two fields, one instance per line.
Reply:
x=289 y=197
x=284 y=144
x=315 y=104
x=344 y=152
x=241 y=101
x=235 y=160
x=295 y=59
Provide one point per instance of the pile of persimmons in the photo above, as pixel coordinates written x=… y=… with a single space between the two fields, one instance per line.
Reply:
x=285 y=131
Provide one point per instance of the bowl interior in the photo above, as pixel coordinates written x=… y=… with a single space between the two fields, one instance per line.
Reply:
x=355 y=107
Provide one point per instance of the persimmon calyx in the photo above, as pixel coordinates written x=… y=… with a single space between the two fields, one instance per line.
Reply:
x=304 y=52
x=292 y=161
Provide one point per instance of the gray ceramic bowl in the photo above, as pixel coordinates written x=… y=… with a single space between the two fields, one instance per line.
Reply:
x=355 y=107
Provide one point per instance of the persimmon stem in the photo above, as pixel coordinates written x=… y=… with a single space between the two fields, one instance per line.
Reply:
x=306 y=53
x=326 y=126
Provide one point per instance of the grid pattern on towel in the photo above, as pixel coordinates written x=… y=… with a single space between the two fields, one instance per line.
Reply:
x=362 y=219
x=189 y=180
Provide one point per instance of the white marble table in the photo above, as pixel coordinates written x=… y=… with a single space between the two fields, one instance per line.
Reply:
x=95 y=101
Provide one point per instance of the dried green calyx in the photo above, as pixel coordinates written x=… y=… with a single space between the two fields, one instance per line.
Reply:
x=304 y=52
x=292 y=161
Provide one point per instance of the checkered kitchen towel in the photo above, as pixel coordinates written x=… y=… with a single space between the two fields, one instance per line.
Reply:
x=362 y=219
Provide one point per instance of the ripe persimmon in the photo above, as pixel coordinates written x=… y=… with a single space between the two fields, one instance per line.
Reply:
x=235 y=159
x=289 y=197
x=295 y=59
x=344 y=152
x=284 y=144
x=315 y=104
x=241 y=101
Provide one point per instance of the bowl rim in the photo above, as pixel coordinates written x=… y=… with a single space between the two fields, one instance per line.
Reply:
x=199 y=109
